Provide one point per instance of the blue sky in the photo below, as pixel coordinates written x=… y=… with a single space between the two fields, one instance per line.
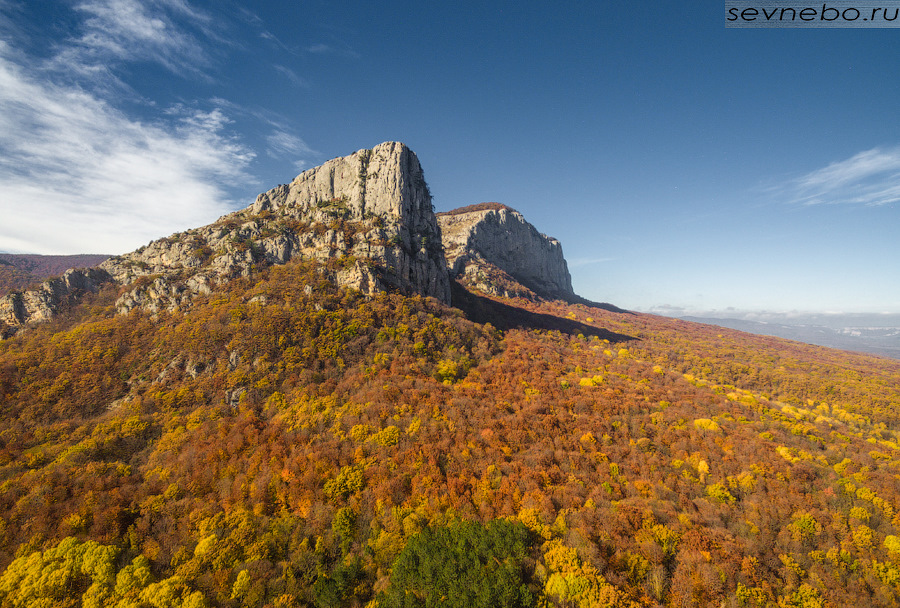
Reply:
x=684 y=166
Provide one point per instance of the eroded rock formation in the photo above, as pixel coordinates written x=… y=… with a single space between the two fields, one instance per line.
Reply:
x=42 y=303
x=370 y=213
x=492 y=248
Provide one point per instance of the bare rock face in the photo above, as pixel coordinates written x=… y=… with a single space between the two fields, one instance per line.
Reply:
x=41 y=304
x=492 y=248
x=371 y=211
x=367 y=216
x=383 y=194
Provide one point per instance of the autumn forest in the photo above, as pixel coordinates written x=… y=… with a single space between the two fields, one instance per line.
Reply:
x=284 y=442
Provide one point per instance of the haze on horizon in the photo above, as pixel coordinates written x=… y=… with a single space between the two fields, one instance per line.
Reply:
x=682 y=165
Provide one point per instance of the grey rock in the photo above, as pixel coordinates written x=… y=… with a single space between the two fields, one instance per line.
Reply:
x=233 y=397
x=41 y=304
x=482 y=239
x=234 y=359
x=372 y=208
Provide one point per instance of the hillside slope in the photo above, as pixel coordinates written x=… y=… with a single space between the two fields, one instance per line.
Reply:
x=276 y=445
x=282 y=409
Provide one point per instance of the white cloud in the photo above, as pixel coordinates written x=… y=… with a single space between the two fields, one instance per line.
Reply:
x=292 y=76
x=140 y=30
x=282 y=143
x=79 y=175
x=667 y=310
x=89 y=165
x=869 y=178
x=577 y=262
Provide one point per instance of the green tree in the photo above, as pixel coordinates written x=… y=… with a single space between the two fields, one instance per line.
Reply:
x=462 y=565
x=337 y=588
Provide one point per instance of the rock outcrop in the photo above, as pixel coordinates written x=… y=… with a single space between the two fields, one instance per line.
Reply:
x=491 y=247
x=367 y=216
x=42 y=303
x=371 y=210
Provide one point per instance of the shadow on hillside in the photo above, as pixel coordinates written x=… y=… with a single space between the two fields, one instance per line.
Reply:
x=576 y=299
x=481 y=309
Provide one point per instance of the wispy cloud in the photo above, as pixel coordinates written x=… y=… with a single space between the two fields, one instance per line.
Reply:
x=577 y=262
x=276 y=42
x=281 y=144
x=869 y=178
x=291 y=75
x=320 y=48
x=168 y=32
x=79 y=174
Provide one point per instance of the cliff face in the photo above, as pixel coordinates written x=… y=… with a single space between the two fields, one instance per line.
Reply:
x=383 y=194
x=42 y=303
x=367 y=216
x=370 y=211
x=492 y=248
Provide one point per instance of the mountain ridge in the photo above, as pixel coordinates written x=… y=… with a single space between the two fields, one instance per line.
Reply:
x=368 y=216
x=877 y=340
x=279 y=437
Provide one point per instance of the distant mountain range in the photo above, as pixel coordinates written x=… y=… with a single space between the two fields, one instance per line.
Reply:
x=877 y=334
x=45 y=266
x=21 y=270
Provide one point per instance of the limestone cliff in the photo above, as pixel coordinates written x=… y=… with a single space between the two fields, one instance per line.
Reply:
x=367 y=216
x=492 y=248
x=371 y=211
x=42 y=303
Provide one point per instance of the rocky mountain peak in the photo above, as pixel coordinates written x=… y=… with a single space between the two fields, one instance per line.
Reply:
x=367 y=217
x=385 y=181
x=491 y=247
x=381 y=194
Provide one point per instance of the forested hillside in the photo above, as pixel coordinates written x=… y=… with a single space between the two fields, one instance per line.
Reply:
x=21 y=271
x=12 y=278
x=284 y=442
